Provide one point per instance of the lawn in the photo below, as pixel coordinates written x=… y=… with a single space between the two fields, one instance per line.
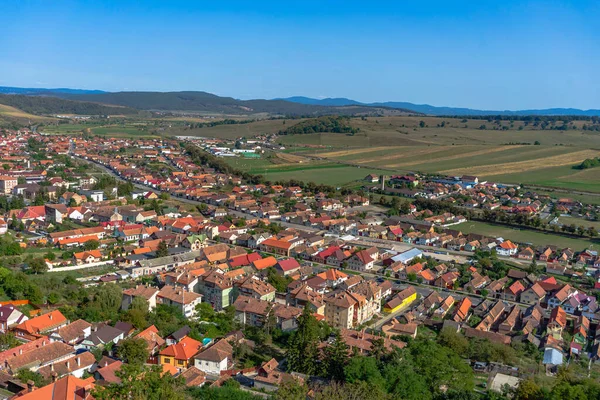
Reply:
x=524 y=236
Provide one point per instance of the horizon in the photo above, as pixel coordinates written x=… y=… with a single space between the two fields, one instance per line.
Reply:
x=483 y=56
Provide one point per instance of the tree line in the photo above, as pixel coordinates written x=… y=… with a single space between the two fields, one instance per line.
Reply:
x=322 y=124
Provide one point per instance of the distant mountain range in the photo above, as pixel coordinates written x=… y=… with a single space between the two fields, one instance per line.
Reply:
x=41 y=92
x=203 y=102
x=433 y=110
x=199 y=102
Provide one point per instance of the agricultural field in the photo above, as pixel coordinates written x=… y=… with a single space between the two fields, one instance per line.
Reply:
x=113 y=130
x=285 y=167
x=233 y=131
x=12 y=112
x=525 y=236
x=509 y=153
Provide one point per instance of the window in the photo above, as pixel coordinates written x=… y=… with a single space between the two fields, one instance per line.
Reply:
x=166 y=360
x=180 y=362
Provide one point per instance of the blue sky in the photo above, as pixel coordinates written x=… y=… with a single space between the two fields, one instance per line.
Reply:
x=480 y=54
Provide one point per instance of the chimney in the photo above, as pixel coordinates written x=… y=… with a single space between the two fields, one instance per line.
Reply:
x=52 y=367
x=54 y=376
x=30 y=386
x=87 y=391
x=68 y=365
x=50 y=316
x=20 y=351
x=78 y=360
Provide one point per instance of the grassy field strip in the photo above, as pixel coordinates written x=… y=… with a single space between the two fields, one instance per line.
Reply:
x=13 y=112
x=509 y=156
x=454 y=157
x=406 y=153
x=524 y=236
x=334 y=154
x=529 y=165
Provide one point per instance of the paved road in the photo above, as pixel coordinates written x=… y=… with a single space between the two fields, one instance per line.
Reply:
x=190 y=201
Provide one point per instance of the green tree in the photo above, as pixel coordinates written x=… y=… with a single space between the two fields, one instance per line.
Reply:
x=352 y=391
x=37 y=266
x=336 y=358
x=133 y=351
x=137 y=313
x=163 y=249
x=291 y=390
x=528 y=390
x=91 y=245
x=8 y=341
x=139 y=382
x=303 y=351
x=448 y=337
x=25 y=375
x=364 y=369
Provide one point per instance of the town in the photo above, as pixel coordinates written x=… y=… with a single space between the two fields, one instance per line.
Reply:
x=210 y=274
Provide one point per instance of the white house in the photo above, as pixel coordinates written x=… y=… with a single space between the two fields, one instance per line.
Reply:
x=215 y=359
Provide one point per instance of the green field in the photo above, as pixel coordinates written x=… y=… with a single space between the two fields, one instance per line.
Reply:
x=120 y=130
x=525 y=236
x=311 y=171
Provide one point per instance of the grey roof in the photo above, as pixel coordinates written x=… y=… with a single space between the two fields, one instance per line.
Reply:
x=104 y=334
x=552 y=357
x=159 y=261
x=180 y=333
x=407 y=255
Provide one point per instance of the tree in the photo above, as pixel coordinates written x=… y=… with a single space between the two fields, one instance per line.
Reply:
x=139 y=382
x=8 y=341
x=422 y=124
x=303 y=350
x=364 y=369
x=163 y=249
x=25 y=375
x=533 y=267
x=137 y=313
x=91 y=245
x=133 y=351
x=37 y=266
x=336 y=358
x=351 y=391
x=450 y=338
x=528 y=390
x=291 y=390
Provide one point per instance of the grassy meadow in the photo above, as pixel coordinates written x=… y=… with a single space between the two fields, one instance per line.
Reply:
x=525 y=236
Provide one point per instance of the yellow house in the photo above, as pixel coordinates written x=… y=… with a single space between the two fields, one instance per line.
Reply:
x=401 y=300
x=179 y=354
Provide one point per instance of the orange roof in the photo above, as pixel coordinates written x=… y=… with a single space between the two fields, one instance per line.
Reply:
x=43 y=322
x=332 y=274
x=265 y=263
x=427 y=275
x=184 y=350
x=142 y=250
x=85 y=254
x=463 y=308
x=82 y=239
x=69 y=387
x=508 y=245
x=280 y=244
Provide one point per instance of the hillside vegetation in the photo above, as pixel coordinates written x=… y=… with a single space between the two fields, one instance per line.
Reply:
x=209 y=103
x=322 y=124
x=53 y=105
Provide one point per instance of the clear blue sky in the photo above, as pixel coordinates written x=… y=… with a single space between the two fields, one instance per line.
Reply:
x=481 y=54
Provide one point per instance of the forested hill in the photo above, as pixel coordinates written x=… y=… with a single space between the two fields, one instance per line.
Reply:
x=53 y=105
x=322 y=124
x=207 y=102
